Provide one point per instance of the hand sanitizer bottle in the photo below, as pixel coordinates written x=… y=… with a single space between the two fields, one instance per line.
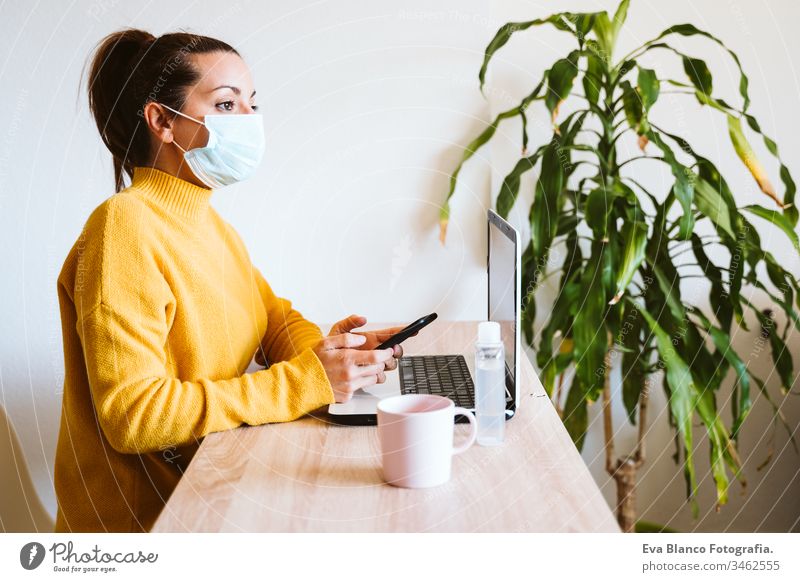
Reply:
x=490 y=385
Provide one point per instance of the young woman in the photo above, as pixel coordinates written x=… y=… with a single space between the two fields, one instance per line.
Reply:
x=161 y=308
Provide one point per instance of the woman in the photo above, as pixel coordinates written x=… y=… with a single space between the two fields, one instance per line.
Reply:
x=161 y=309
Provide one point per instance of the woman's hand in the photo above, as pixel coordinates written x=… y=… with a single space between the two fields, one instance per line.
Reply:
x=374 y=338
x=349 y=363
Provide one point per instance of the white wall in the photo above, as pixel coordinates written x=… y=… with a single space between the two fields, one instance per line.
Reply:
x=367 y=106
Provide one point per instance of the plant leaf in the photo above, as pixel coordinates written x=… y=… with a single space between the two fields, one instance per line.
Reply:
x=682 y=398
x=634 y=235
x=777 y=413
x=567 y=223
x=748 y=156
x=683 y=340
x=712 y=196
x=607 y=29
x=698 y=73
x=648 y=87
x=596 y=211
x=560 y=78
x=783 y=281
x=562 y=21
x=633 y=374
x=778 y=220
x=561 y=316
x=691 y=30
x=619 y=17
x=589 y=331
x=604 y=32
x=650 y=527
x=576 y=416
x=544 y=211
x=475 y=145
x=583 y=26
x=781 y=356
x=530 y=276
x=612 y=258
x=717 y=296
x=510 y=187
x=786 y=306
x=632 y=104
x=722 y=449
x=683 y=187
x=593 y=78
x=722 y=341
x=665 y=300
x=509 y=190
x=790 y=188
x=712 y=205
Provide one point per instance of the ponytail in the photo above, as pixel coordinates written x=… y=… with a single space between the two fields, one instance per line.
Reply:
x=131 y=68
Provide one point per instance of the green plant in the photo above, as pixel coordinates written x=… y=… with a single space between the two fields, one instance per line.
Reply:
x=617 y=245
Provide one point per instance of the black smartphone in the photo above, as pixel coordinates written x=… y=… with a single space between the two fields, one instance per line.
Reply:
x=407 y=332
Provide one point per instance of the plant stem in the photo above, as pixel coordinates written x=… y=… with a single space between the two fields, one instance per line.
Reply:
x=644 y=396
x=608 y=427
x=622 y=470
x=625 y=478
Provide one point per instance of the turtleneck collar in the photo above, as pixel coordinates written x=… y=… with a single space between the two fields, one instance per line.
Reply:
x=176 y=195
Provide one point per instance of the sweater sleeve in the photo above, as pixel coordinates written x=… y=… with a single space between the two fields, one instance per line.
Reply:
x=141 y=409
x=288 y=332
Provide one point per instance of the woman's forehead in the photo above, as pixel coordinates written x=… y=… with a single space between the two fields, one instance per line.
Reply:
x=223 y=69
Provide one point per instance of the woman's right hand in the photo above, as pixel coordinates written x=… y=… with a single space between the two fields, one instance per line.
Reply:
x=349 y=368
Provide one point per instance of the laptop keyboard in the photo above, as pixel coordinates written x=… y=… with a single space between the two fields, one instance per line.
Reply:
x=444 y=375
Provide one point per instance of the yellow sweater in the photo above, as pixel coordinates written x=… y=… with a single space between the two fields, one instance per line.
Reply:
x=161 y=314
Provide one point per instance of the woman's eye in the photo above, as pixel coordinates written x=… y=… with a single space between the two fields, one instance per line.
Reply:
x=226 y=105
x=254 y=107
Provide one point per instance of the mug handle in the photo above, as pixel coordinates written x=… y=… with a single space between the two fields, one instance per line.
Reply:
x=473 y=433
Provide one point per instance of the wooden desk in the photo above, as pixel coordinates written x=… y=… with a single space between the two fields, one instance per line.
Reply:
x=312 y=476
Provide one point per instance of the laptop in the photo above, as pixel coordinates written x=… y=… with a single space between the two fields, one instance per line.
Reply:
x=453 y=375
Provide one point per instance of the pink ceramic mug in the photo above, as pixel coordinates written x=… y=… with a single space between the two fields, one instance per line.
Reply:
x=416 y=438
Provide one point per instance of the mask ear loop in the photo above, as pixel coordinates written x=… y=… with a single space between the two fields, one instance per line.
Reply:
x=184 y=115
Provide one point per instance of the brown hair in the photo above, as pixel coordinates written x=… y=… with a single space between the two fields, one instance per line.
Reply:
x=131 y=68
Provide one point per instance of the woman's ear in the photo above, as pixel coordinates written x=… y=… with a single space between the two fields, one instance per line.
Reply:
x=160 y=121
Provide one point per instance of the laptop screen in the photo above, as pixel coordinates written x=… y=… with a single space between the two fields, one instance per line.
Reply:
x=503 y=301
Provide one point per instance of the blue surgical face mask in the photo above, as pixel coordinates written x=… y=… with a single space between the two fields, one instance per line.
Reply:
x=234 y=150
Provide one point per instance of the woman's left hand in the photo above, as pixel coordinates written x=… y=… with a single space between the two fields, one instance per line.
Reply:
x=374 y=337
